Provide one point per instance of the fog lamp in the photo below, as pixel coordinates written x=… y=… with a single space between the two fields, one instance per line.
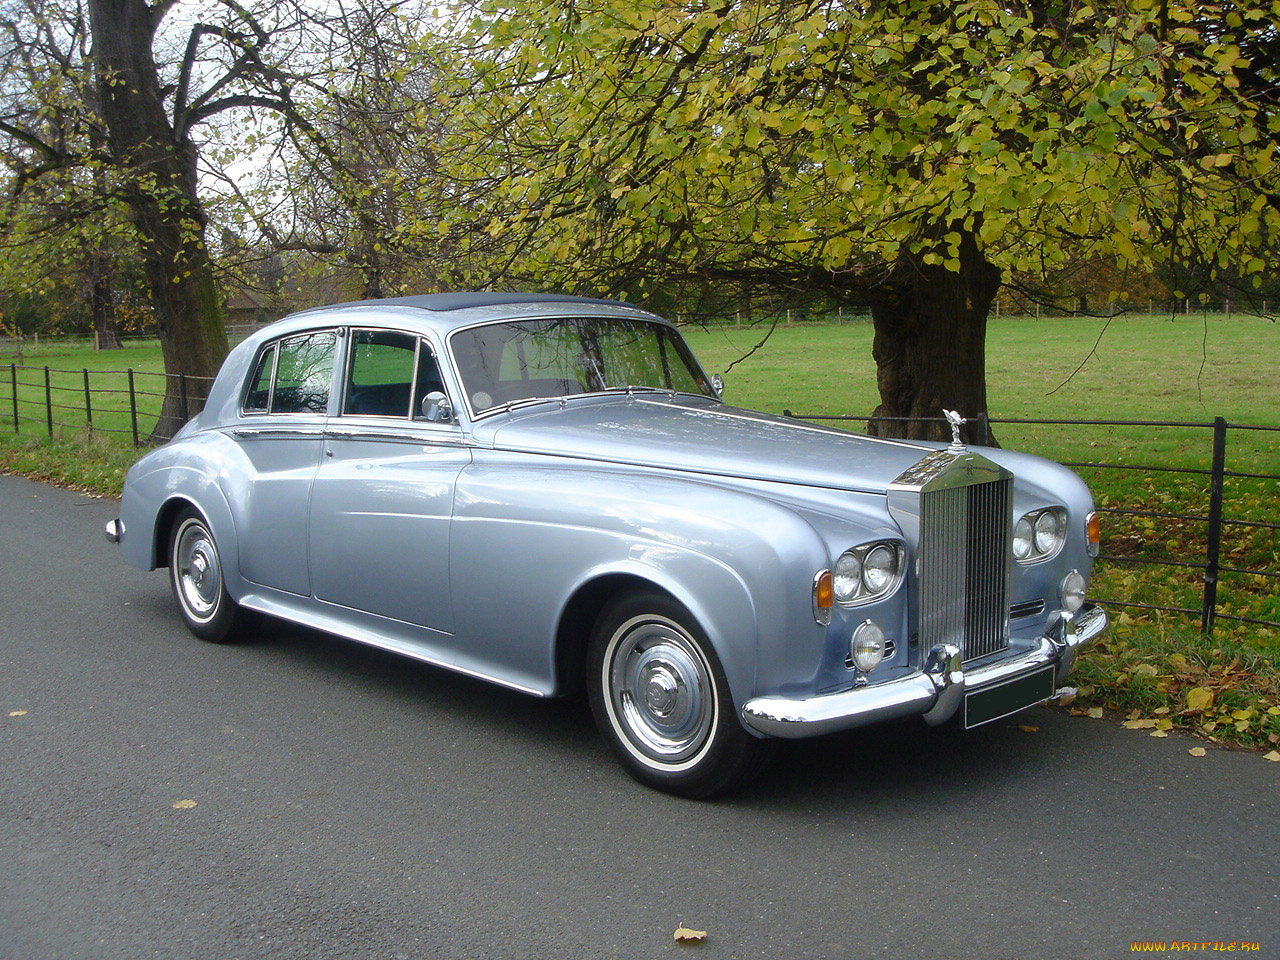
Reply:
x=1071 y=592
x=866 y=649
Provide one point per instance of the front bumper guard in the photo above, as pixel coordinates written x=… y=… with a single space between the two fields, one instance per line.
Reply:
x=935 y=693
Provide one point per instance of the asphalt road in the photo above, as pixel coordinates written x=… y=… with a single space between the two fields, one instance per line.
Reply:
x=352 y=805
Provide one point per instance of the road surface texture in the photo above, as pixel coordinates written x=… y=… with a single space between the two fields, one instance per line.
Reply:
x=298 y=796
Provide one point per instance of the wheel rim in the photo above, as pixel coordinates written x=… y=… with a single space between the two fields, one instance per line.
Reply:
x=662 y=697
x=197 y=571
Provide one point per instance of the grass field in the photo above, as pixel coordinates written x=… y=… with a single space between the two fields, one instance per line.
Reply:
x=1186 y=368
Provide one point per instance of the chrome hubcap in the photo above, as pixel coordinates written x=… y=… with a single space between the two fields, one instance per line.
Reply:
x=199 y=580
x=661 y=691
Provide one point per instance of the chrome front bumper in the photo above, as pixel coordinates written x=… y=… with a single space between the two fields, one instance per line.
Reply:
x=936 y=693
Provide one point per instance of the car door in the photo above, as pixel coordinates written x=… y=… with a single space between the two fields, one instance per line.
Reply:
x=281 y=434
x=382 y=501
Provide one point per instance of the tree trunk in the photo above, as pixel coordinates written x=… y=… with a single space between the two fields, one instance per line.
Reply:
x=102 y=303
x=159 y=169
x=930 y=345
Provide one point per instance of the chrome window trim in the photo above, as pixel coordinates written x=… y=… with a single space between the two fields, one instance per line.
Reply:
x=278 y=431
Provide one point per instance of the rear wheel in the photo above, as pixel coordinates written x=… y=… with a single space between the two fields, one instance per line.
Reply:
x=661 y=701
x=195 y=574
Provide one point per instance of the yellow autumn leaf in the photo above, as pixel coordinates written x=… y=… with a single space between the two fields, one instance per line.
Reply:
x=183 y=804
x=684 y=935
x=1027 y=728
x=1199 y=698
x=18 y=713
x=1095 y=712
x=1273 y=756
x=1196 y=751
x=1159 y=733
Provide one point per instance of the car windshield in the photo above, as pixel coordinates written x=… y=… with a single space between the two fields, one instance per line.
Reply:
x=530 y=359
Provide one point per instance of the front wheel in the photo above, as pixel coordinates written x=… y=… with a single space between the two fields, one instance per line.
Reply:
x=195 y=574
x=660 y=699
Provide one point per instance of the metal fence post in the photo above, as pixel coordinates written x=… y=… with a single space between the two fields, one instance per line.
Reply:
x=1209 y=611
x=13 y=380
x=984 y=428
x=88 y=403
x=48 y=402
x=133 y=407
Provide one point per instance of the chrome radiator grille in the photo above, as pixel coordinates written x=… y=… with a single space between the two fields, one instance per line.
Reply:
x=964 y=566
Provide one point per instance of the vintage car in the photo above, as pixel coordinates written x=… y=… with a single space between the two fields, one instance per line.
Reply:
x=549 y=493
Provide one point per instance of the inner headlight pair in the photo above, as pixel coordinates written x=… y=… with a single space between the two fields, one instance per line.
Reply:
x=868 y=572
x=1039 y=535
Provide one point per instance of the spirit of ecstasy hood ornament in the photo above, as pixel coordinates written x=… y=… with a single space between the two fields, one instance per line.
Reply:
x=956 y=422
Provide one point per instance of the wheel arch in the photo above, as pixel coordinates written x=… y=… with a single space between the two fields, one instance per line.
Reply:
x=726 y=615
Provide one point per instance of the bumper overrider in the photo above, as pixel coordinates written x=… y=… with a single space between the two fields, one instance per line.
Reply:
x=941 y=689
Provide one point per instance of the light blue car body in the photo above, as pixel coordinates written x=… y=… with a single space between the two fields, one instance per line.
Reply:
x=488 y=542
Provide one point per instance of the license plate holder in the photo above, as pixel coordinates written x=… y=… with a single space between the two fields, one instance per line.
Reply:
x=1009 y=696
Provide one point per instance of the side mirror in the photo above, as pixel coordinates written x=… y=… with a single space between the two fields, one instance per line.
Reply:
x=717 y=384
x=436 y=407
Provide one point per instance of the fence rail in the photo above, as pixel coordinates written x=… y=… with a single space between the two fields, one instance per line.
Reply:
x=121 y=402
x=129 y=403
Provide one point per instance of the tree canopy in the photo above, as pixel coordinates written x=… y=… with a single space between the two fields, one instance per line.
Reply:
x=907 y=156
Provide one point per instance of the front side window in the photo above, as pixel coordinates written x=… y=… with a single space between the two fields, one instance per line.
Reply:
x=502 y=363
x=389 y=375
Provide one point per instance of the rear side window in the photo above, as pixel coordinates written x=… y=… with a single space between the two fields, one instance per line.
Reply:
x=293 y=376
x=259 y=395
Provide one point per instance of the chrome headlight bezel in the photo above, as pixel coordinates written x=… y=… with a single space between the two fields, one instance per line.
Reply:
x=868 y=572
x=1039 y=535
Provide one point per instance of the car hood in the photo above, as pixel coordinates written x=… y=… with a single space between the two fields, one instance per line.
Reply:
x=704 y=437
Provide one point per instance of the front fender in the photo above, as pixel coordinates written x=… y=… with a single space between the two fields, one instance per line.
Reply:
x=528 y=535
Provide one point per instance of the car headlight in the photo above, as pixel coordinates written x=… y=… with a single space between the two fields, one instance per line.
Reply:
x=848 y=576
x=867 y=572
x=1023 y=539
x=1039 y=535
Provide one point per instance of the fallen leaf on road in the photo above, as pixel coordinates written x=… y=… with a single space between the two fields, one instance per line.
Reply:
x=18 y=713
x=1196 y=751
x=1273 y=756
x=684 y=935
x=1027 y=728
x=1159 y=733
x=1095 y=712
x=184 y=804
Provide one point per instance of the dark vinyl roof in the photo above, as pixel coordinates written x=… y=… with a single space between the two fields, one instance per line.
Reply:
x=441 y=302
